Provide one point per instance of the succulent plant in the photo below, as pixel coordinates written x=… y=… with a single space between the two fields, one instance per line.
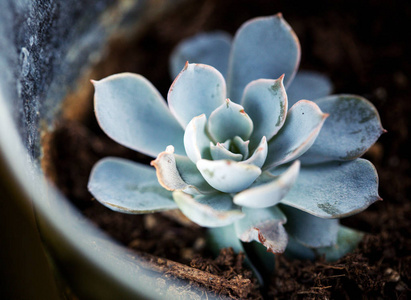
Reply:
x=232 y=156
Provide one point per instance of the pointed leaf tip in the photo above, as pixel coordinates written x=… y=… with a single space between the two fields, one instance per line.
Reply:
x=302 y=126
x=265 y=101
x=229 y=120
x=278 y=53
x=259 y=155
x=198 y=89
x=353 y=127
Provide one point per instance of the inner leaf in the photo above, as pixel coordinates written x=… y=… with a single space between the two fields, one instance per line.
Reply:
x=220 y=151
x=229 y=120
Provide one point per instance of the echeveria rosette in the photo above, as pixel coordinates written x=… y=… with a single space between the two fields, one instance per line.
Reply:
x=232 y=163
x=228 y=149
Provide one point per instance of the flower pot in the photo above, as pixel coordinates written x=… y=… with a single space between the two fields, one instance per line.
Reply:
x=45 y=47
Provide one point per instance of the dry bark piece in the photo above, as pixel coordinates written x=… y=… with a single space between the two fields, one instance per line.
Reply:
x=237 y=286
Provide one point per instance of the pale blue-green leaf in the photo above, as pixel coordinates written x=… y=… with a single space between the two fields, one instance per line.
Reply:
x=261 y=261
x=198 y=89
x=295 y=250
x=264 y=178
x=220 y=151
x=226 y=144
x=168 y=175
x=196 y=141
x=264 y=47
x=228 y=176
x=240 y=146
x=133 y=113
x=310 y=231
x=308 y=85
x=259 y=155
x=347 y=240
x=211 y=48
x=265 y=101
x=263 y=194
x=223 y=237
x=353 y=126
x=334 y=189
x=191 y=175
x=303 y=123
x=208 y=210
x=264 y=225
x=128 y=187
x=229 y=120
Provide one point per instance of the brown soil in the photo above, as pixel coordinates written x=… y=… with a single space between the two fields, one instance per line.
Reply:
x=362 y=49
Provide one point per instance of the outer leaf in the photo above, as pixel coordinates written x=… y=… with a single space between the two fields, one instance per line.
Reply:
x=264 y=47
x=264 y=225
x=295 y=250
x=334 y=189
x=223 y=237
x=347 y=241
x=304 y=121
x=133 y=113
x=196 y=141
x=229 y=120
x=269 y=194
x=265 y=101
x=228 y=176
x=198 y=89
x=212 y=48
x=354 y=125
x=169 y=176
x=310 y=231
x=308 y=85
x=128 y=187
x=208 y=210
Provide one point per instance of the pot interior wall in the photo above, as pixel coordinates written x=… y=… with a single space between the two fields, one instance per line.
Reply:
x=47 y=47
